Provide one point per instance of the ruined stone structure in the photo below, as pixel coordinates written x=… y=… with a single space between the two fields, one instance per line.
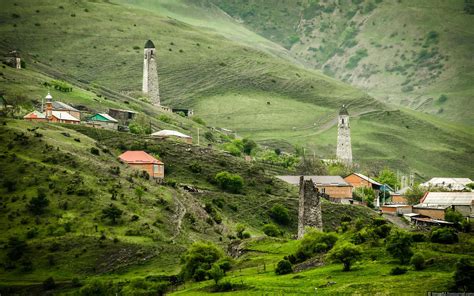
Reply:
x=150 y=74
x=344 y=148
x=309 y=213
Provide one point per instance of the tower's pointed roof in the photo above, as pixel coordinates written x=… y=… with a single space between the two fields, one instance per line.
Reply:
x=343 y=110
x=149 y=44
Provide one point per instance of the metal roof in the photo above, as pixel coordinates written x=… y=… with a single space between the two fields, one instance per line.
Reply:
x=453 y=183
x=448 y=198
x=318 y=180
x=368 y=179
x=170 y=133
x=105 y=116
x=60 y=106
x=64 y=116
x=138 y=157
x=35 y=114
x=343 y=110
x=149 y=44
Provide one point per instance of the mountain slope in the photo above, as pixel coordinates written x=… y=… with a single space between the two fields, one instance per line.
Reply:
x=407 y=53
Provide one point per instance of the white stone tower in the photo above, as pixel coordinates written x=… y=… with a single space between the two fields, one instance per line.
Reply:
x=344 y=149
x=150 y=74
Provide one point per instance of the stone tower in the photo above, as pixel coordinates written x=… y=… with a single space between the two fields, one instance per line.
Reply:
x=150 y=74
x=344 y=149
x=309 y=213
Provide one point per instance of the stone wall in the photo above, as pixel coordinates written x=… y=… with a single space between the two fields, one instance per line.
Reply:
x=309 y=213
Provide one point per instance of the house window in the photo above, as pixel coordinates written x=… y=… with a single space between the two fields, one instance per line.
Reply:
x=156 y=169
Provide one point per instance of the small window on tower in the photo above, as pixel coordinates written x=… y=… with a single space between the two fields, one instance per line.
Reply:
x=343 y=121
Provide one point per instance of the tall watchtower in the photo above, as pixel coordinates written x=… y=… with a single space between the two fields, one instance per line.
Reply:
x=344 y=148
x=150 y=74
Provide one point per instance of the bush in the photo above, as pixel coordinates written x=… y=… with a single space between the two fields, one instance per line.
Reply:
x=464 y=275
x=418 y=237
x=39 y=203
x=209 y=136
x=198 y=259
x=164 y=118
x=453 y=216
x=230 y=182
x=198 y=120
x=280 y=214
x=346 y=254
x=16 y=248
x=216 y=273
x=315 y=242
x=399 y=246
x=95 y=151
x=398 y=270
x=112 y=212
x=195 y=167
x=444 y=236
x=418 y=261
x=271 y=230
x=283 y=267
x=49 y=284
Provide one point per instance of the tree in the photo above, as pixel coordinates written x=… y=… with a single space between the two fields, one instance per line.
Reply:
x=230 y=182
x=399 y=246
x=315 y=242
x=464 y=275
x=216 y=273
x=271 y=230
x=49 y=284
x=112 y=212
x=249 y=145
x=199 y=259
x=16 y=248
x=38 y=203
x=280 y=214
x=346 y=254
x=388 y=177
x=414 y=194
x=240 y=228
x=283 y=267
x=418 y=261
x=365 y=194
x=444 y=235
x=139 y=192
x=453 y=216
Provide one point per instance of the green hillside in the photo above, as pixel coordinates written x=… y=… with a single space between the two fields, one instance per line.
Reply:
x=266 y=97
x=407 y=53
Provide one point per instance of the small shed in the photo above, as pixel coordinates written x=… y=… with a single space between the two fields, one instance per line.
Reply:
x=145 y=162
x=164 y=134
x=103 y=120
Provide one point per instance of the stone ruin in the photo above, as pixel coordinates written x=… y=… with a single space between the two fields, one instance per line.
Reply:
x=309 y=214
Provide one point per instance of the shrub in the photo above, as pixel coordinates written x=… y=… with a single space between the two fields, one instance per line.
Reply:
x=95 y=151
x=112 y=212
x=209 y=136
x=399 y=246
x=271 y=230
x=346 y=254
x=397 y=270
x=444 y=236
x=418 y=261
x=315 y=242
x=464 y=275
x=216 y=273
x=195 y=167
x=230 y=182
x=442 y=99
x=198 y=260
x=418 y=237
x=283 y=267
x=49 y=284
x=39 y=203
x=198 y=120
x=249 y=146
x=453 y=216
x=164 y=118
x=280 y=214
x=239 y=229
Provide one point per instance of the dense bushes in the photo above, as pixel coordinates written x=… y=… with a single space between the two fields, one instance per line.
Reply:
x=314 y=242
x=397 y=270
x=464 y=275
x=283 y=267
x=229 y=182
x=271 y=230
x=444 y=236
x=39 y=203
x=199 y=259
x=399 y=246
x=418 y=261
x=280 y=214
x=345 y=253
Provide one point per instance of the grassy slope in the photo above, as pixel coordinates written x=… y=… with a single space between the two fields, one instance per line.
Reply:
x=302 y=106
x=393 y=33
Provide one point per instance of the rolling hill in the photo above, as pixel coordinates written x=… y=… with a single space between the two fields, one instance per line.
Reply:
x=240 y=82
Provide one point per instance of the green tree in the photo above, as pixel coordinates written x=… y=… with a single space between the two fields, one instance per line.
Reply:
x=16 y=248
x=271 y=230
x=139 y=192
x=248 y=146
x=112 y=212
x=388 y=177
x=444 y=235
x=453 y=216
x=199 y=258
x=418 y=261
x=280 y=214
x=239 y=229
x=216 y=273
x=230 y=182
x=464 y=275
x=346 y=254
x=39 y=203
x=314 y=242
x=283 y=267
x=414 y=194
x=399 y=246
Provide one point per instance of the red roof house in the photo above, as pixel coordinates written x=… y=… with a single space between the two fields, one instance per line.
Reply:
x=144 y=162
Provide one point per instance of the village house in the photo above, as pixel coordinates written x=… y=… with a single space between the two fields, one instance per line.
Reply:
x=454 y=184
x=54 y=115
x=103 y=120
x=358 y=180
x=144 y=162
x=396 y=209
x=399 y=197
x=334 y=187
x=164 y=134
x=435 y=204
x=122 y=116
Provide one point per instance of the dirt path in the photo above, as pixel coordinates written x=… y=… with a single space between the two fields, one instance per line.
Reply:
x=397 y=221
x=180 y=212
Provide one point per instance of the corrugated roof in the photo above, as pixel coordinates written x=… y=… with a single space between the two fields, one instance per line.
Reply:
x=63 y=106
x=448 y=198
x=138 y=157
x=64 y=116
x=368 y=179
x=35 y=114
x=170 y=133
x=318 y=180
x=107 y=117
x=453 y=183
